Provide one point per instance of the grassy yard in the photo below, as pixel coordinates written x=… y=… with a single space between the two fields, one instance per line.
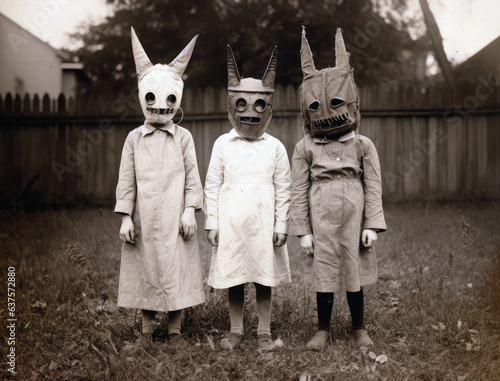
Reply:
x=435 y=312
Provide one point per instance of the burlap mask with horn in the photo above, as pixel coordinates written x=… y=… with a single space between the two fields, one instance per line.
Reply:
x=328 y=98
x=249 y=99
x=160 y=86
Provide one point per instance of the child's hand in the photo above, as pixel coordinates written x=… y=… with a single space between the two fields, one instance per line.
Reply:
x=127 y=231
x=188 y=223
x=368 y=237
x=307 y=244
x=279 y=239
x=213 y=237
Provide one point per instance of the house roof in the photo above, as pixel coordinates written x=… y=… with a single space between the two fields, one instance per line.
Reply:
x=26 y=33
x=485 y=62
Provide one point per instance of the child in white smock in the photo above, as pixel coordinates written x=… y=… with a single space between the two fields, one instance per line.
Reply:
x=247 y=195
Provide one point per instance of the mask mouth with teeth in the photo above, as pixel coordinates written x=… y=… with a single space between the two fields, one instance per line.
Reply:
x=161 y=111
x=249 y=99
x=160 y=86
x=328 y=98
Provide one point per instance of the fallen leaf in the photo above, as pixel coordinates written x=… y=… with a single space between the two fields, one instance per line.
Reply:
x=305 y=377
x=53 y=365
x=39 y=304
x=395 y=284
x=372 y=355
x=381 y=359
x=442 y=327
x=279 y=343
x=158 y=368
x=459 y=324
x=130 y=348
x=434 y=327
x=469 y=285
x=210 y=342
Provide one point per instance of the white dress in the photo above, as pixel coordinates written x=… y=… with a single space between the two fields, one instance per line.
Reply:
x=247 y=197
x=158 y=178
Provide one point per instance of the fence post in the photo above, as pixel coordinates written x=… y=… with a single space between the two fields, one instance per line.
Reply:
x=36 y=104
x=71 y=106
x=17 y=104
x=61 y=104
x=26 y=104
x=46 y=104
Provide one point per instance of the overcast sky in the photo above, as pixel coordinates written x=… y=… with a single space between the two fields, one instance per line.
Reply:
x=466 y=25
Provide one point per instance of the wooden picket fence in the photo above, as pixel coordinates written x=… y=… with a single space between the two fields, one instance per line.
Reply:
x=433 y=143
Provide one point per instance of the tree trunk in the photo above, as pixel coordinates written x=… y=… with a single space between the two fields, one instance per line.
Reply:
x=437 y=44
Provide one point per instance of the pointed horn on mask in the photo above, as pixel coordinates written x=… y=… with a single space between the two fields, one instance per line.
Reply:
x=341 y=55
x=233 y=75
x=306 y=57
x=179 y=64
x=270 y=74
x=142 y=62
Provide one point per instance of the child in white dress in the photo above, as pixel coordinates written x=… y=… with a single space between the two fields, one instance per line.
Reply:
x=247 y=196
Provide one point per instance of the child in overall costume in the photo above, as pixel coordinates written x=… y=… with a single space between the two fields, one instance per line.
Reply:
x=247 y=196
x=158 y=191
x=336 y=205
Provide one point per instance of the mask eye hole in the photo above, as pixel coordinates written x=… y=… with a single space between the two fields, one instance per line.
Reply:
x=336 y=102
x=241 y=104
x=314 y=106
x=171 y=99
x=150 y=98
x=260 y=105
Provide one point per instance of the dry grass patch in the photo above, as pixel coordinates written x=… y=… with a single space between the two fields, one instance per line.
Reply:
x=434 y=314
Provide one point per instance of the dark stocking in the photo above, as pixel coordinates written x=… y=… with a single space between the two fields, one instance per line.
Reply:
x=325 y=306
x=356 y=305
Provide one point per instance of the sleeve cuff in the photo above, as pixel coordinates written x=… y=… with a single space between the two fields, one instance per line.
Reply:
x=375 y=225
x=211 y=223
x=124 y=207
x=192 y=200
x=281 y=227
x=300 y=230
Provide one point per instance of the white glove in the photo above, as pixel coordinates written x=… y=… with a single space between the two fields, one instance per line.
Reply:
x=279 y=239
x=307 y=244
x=127 y=230
x=213 y=237
x=368 y=237
x=188 y=223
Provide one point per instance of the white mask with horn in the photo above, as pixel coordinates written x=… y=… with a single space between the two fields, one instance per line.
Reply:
x=328 y=98
x=160 y=86
x=249 y=99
